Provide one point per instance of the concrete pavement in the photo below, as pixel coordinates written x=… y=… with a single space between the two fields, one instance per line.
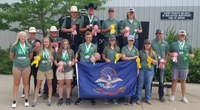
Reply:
x=6 y=83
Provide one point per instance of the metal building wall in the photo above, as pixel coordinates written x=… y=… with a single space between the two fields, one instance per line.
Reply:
x=149 y=10
x=146 y=10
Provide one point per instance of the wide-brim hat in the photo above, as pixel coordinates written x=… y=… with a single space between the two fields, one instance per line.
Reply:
x=32 y=30
x=91 y=5
x=53 y=29
x=74 y=9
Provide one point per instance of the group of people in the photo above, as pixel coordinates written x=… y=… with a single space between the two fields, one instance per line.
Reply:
x=53 y=58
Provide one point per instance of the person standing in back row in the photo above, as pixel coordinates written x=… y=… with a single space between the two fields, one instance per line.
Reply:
x=160 y=46
x=131 y=26
x=90 y=23
x=110 y=26
x=70 y=27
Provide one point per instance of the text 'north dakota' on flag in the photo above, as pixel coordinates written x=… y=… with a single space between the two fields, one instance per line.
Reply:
x=106 y=80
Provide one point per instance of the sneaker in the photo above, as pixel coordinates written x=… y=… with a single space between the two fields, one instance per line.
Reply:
x=23 y=95
x=138 y=102
x=34 y=103
x=14 y=104
x=172 y=98
x=49 y=103
x=92 y=101
x=148 y=102
x=60 y=102
x=68 y=101
x=26 y=103
x=106 y=101
x=40 y=95
x=162 y=99
x=78 y=101
x=55 y=95
x=115 y=102
x=184 y=99
x=45 y=96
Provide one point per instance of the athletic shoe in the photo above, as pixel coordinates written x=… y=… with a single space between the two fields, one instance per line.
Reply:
x=68 y=101
x=60 y=102
x=78 y=101
x=115 y=102
x=14 y=104
x=40 y=95
x=34 y=103
x=26 y=103
x=184 y=99
x=138 y=102
x=172 y=98
x=49 y=103
x=106 y=101
x=23 y=95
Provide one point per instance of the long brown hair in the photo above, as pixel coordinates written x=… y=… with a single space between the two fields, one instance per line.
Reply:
x=61 y=49
x=109 y=46
x=49 y=47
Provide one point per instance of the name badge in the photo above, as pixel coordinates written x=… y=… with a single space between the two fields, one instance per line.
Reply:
x=21 y=58
x=180 y=53
x=90 y=25
x=87 y=57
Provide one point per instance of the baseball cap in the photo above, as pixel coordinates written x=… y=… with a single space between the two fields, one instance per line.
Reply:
x=111 y=10
x=159 y=31
x=147 y=41
x=112 y=38
x=131 y=37
x=182 y=32
x=131 y=10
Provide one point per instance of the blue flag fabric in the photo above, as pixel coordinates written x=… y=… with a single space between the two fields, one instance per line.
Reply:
x=106 y=80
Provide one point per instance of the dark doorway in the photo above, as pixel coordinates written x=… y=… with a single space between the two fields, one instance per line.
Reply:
x=144 y=35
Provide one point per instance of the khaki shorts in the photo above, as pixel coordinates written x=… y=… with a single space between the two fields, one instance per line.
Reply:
x=64 y=75
x=18 y=70
x=42 y=75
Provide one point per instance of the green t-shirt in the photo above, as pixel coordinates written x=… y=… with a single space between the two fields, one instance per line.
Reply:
x=161 y=48
x=85 y=54
x=110 y=53
x=136 y=24
x=130 y=53
x=107 y=24
x=65 y=57
x=21 y=55
x=143 y=60
x=45 y=64
x=182 y=52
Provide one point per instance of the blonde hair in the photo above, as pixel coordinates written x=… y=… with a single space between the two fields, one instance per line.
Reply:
x=61 y=48
x=20 y=34
x=50 y=50
x=88 y=33
x=152 y=53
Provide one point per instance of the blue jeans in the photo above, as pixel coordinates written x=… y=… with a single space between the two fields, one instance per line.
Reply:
x=145 y=79
x=161 y=73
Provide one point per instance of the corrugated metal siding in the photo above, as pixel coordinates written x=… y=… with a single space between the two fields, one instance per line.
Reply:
x=146 y=10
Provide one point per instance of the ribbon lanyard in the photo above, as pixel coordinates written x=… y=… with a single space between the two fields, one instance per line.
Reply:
x=91 y=20
x=181 y=45
x=87 y=48
x=65 y=55
x=23 y=48
x=45 y=54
